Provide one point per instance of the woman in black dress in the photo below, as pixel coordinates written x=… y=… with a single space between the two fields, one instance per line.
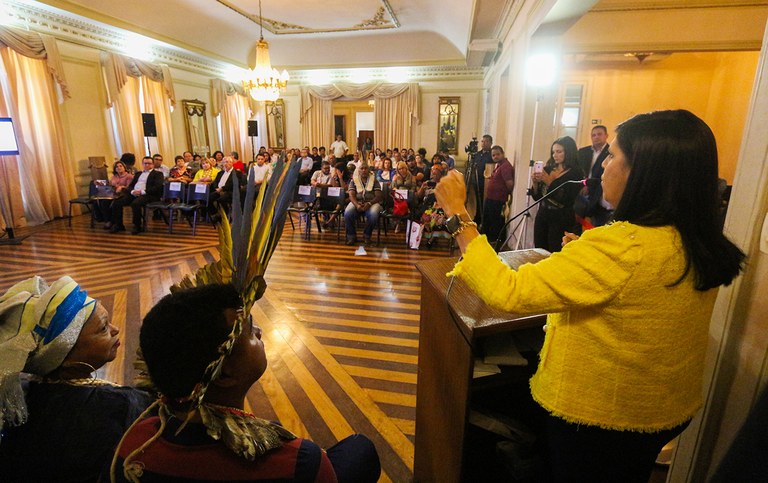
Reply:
x=556 y=215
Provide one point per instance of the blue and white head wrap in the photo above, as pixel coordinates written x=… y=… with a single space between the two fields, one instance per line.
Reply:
x=39 y=326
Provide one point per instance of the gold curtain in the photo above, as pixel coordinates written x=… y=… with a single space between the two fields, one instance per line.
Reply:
x=43 y=174
x=156 y=102
x=400 y=102
x=235 y=107
x=125 y=79
x=127 y=117
x=36 y=46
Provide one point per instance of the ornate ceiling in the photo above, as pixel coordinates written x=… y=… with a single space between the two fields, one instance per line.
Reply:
x=303 y=34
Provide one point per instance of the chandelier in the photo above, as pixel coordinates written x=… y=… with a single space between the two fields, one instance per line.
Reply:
x=264 y=83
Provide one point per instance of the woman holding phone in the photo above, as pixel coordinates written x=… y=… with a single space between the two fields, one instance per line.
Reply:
x=556 y=215
x=629 y=303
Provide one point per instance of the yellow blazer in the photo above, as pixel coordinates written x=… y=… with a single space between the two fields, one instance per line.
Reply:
x=623 y=349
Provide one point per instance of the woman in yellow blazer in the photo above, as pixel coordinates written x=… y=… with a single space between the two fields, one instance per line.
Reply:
x=621 y=368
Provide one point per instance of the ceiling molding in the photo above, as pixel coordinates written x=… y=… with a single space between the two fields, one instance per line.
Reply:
x=628 y=6
x=415 y=74
x=697 y=46
x=383 y=18
x=68 y=28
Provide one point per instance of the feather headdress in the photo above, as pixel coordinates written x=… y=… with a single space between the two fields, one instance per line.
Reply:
x=246 y=245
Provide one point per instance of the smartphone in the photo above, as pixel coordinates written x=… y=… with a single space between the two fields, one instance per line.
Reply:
x=538 y=167
x=431 y=184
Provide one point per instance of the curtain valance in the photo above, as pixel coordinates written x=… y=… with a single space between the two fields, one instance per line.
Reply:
x=378 y=90
x=118 y=67
x=36 y=46
x=220 y=89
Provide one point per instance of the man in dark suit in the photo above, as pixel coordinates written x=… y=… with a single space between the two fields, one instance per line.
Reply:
x=482 y=159
x=223 y=186
x=590 y=159
x=146 y=187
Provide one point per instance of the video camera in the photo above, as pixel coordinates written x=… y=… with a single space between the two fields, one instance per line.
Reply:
x=471 y=148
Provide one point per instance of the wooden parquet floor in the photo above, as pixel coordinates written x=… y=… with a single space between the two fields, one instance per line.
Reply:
x=341 y=331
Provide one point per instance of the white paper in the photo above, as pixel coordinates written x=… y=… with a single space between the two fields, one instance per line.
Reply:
x=334 y=191
x=305 y=189
x=403 y=193
x=200 y=188
x=360 y=251
x=176 y=186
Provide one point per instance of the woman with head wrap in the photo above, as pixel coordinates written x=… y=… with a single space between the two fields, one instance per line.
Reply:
x=66 y=424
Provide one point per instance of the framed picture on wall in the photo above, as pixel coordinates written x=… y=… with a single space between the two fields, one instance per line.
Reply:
x=448 y=124
x=275 y=124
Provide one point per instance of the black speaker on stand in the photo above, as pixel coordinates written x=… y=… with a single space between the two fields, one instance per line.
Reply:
x=253 y=131
x=150 y=129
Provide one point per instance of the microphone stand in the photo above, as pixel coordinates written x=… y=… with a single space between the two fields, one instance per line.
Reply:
x=499 y=241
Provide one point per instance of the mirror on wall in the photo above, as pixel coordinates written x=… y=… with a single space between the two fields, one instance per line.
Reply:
x=448 y=124
x=196 y=123
x=275 y=124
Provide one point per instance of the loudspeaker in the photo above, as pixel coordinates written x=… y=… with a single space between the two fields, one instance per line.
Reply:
x=253 y=128
x=150 y=130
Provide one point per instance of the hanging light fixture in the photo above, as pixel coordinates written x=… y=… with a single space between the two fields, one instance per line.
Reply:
x=264 y=82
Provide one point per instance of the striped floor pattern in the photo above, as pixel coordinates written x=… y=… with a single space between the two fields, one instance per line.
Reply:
x=341 y=331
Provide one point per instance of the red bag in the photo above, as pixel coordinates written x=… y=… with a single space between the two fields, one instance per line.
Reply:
x=400 y=207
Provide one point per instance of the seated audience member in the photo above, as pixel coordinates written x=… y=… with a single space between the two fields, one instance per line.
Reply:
x=325 y=178
x=180 y=172
x=364 y=199
x=418 y=168
x=316 y=158
x=429 y=214
x=261 y=170
x=66 y=425
x=227 y=180
x=129 y=160
x=386 y=173
x=342 y=175
x=207 y=172
x=145 y=188
x=120 y=181
x=305 y=170
x=437 y=160
x=373 y=161
x=403 y=178
x=322 y=154
x=192 y=162
x=236 y=163
x=449 y=160
x=271 y=155
x=322 y=178
x=159 y=166
x=218 y=157
x=356 y=159
x=203 y=353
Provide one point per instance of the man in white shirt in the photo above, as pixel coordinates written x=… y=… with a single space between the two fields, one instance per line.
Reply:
x=339 y=147
x=322 y=178
x=305 y=170
x=261 y=171
x=158 y=160
x=227 y=180
x=146 y=187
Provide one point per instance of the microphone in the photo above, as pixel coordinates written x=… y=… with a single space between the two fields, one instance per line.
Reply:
x=588 y=182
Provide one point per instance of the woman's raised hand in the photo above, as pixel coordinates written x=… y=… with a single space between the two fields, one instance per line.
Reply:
x=451 y=193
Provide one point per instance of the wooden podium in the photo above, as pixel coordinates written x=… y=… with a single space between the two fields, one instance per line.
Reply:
x=448 y=334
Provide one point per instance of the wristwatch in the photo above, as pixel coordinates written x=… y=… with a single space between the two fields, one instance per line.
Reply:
x=458 y=222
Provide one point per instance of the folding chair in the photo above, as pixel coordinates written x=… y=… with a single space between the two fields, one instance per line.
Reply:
x=386 y=214
x=334 y=198
x=197 y=199
x=173 y=193
x=86 y=201
x=303 y=203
